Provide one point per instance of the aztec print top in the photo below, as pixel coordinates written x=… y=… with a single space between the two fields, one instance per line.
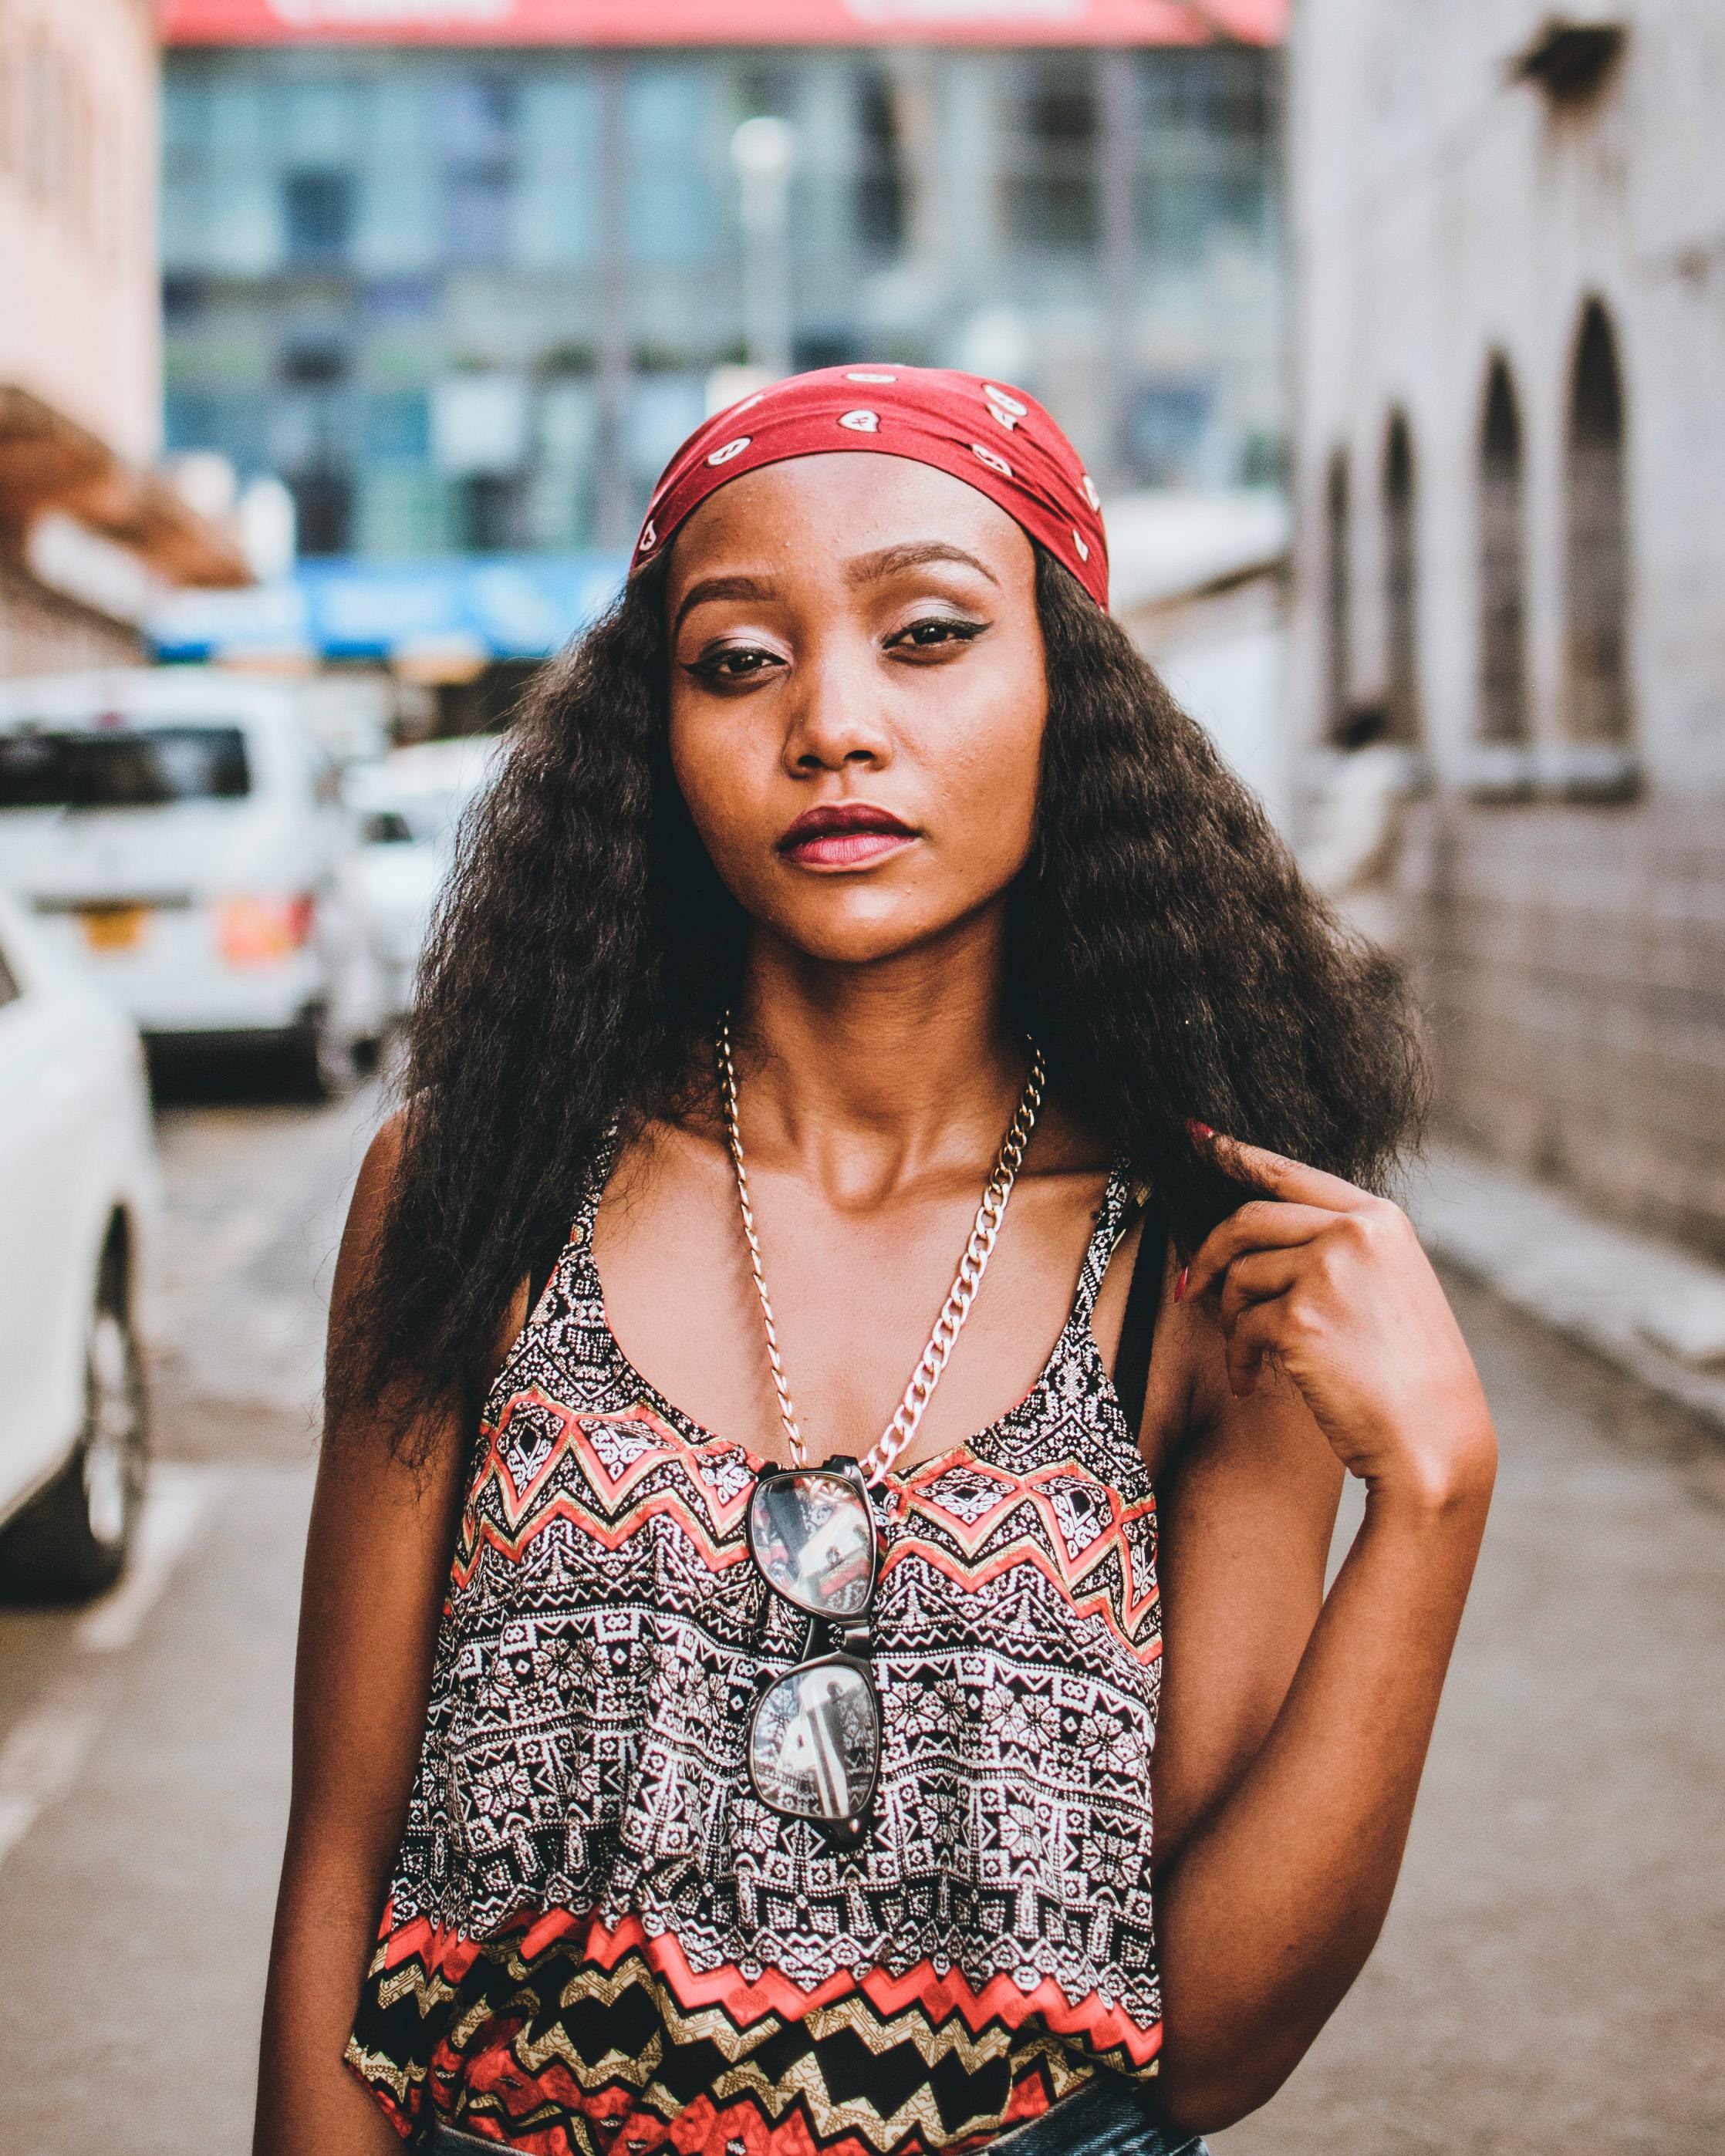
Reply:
x=598 y=1940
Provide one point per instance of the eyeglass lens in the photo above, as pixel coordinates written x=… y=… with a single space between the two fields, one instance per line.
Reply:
x=813 y=1537
x=814 y=1745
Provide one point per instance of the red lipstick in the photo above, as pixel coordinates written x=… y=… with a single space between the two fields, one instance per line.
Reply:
x=844 y=834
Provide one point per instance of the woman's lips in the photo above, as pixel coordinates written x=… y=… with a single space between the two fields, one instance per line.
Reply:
x=846 y=835
x=846 y=850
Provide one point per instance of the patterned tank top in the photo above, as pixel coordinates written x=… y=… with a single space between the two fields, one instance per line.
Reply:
x=598 y=1940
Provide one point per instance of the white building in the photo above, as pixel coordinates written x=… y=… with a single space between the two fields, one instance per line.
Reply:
x=1509 y=232
x=88 y=534
x=1199 y=583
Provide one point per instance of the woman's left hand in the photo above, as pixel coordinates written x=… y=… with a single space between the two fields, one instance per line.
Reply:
x=1327 y=1284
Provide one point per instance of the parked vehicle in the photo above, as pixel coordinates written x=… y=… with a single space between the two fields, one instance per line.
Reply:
x=185 y=829
x=410 y=804
x=78 y=1195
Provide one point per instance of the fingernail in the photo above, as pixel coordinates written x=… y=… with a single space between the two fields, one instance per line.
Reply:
x=1198 y=1130
x=1180 y=1283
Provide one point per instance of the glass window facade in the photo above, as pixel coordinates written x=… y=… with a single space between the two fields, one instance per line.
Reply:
x=472 y=300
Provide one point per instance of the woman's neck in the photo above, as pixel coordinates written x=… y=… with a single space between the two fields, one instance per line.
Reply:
x=867 y=1077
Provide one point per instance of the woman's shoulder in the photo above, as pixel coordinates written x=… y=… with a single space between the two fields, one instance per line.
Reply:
x=383 y=1155
x=374 y=1190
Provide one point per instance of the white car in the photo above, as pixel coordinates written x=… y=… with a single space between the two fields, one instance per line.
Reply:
x=185 y=829
x=410 y=804
x=78 y=1198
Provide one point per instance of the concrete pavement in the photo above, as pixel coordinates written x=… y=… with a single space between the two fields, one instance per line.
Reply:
x=1652 y=1310
x=135 y=1912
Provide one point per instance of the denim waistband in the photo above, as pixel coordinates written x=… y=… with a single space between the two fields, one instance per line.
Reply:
x=1107 y=2117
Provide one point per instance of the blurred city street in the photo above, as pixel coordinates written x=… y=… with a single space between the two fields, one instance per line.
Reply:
x=1536 y=1991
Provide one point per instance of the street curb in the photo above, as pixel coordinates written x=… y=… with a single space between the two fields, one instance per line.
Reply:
x=1587 y=1280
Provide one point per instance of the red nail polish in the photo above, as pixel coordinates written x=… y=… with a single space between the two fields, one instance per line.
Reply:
x=1180 y=1284
x=1198 y=1130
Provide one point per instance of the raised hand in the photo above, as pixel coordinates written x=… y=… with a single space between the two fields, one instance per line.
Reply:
x=1327 y=1285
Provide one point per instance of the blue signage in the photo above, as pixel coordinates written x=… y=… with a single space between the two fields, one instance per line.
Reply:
x=504 y=606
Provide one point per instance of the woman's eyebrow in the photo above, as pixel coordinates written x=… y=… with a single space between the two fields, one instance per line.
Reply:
x=869 y=568
x=724 y=587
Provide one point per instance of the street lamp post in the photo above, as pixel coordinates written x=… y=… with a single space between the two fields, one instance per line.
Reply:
x=1118 y=86
x=616 y=511
x=763 y=150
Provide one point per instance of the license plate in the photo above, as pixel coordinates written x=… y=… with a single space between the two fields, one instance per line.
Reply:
x=115 y=927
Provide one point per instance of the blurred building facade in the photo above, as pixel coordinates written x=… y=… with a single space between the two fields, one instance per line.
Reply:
x=1509 y=256
x=468 y=296
x=87 y=534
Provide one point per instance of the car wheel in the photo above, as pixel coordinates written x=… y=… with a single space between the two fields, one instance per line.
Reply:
x=72 y=1541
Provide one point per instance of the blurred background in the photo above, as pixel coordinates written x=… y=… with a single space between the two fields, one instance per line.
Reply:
x=341 y=342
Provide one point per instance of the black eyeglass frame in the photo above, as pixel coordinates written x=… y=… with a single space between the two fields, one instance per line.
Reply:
x=853 y=1636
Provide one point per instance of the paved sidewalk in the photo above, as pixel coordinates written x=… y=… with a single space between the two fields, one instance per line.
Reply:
x=1652 y=1310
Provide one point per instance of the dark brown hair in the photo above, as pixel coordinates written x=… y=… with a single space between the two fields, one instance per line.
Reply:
x=1164 y=951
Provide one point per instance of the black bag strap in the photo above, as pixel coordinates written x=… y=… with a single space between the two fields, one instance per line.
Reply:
x=1138 y=1327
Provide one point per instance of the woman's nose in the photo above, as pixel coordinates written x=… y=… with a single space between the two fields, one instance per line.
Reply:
x=838 y=718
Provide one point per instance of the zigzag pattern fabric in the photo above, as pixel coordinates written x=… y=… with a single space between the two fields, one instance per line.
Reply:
x=598 y=1943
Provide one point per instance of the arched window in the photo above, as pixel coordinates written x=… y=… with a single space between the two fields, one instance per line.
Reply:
x=1401 y=584
x=1598 y=706
x=1338 y=595
x=1503 y=592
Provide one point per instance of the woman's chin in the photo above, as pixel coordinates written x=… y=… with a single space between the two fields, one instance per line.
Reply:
x=853 y=934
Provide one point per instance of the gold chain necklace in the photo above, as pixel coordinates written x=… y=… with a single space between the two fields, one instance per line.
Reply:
x=974 y=1263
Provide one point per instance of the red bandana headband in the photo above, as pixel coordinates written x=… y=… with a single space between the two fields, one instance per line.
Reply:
x=995 y=438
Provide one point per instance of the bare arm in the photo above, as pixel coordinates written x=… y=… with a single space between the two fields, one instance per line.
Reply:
x=1290 y=1751
x=377 y=1561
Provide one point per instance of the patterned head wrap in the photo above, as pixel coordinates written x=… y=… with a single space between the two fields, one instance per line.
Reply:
x=995 y=438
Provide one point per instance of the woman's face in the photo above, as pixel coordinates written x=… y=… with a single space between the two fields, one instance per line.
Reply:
x=857 y=698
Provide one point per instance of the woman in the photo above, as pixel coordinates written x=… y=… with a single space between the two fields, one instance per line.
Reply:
x=713 y=1806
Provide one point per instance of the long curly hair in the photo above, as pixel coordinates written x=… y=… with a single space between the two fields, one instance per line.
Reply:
x=1163 y=948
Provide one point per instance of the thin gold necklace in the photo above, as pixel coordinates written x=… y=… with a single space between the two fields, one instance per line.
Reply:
x=974 y=1263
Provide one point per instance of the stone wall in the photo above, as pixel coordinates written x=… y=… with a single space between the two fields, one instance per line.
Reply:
x=1572 y=964
x=1511 y=343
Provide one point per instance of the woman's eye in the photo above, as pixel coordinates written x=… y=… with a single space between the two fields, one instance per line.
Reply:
x=934 y=633
x=732 y=663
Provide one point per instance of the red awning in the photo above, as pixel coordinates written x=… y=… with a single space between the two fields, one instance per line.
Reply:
x=1000 y=23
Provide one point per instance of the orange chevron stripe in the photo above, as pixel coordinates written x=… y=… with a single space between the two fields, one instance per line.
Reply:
x=746 y=2001
x=665 y=1503
x=444 y=1952
x=714 y=1536
x=724 y=1515
x=930 y=1473
x=1000 y=2000
x=1026 y=1552
x=576 y=1430
x=495 y=1468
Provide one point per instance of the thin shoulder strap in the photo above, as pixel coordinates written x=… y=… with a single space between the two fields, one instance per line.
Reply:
x=539 y=1257
x=1138 y=1327
x=541 y=1263
x=1111 y=1217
